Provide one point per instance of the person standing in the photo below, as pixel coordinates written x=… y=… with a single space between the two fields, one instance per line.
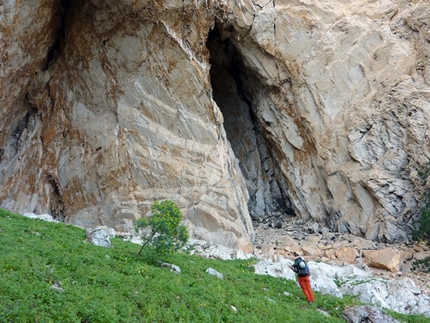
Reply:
x=301 y=268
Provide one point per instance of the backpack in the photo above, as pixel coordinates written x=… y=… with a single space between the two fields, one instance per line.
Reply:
x=302 y=268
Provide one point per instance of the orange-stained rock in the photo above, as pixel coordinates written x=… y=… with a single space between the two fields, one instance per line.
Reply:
x=130 y=102
x=388 y=259
x=245 y=245
x=330 y=254
x=346 y=254
x=311 y=250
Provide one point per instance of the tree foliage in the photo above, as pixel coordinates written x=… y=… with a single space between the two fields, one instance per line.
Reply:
x=421 y=230
x=162 y=232
x=421 y=226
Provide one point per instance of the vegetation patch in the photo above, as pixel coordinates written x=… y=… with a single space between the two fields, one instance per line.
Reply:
x=355 y=281
x=422 y=265
x=164 y=232
x=48 y=273
x=421 y=226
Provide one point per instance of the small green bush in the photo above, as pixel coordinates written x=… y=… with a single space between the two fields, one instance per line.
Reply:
x=421 y=226
x=422 y=265
x=166 y=234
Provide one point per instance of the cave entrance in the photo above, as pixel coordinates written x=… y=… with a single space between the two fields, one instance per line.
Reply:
x=234 y=88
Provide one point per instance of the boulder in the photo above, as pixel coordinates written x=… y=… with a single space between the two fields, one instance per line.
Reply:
x=100 y=236
x=285 y=241
x=311 y=250
x=173 y=268
x=218 y=252
x=367 y=314
x=268 y=249
x=279 y=268
x=330 y=253
x=388 y=259
x=399 y=295
x=346 y=254
x=215 y=273
x=360 y=244
x=407 y=254
x=44 y=217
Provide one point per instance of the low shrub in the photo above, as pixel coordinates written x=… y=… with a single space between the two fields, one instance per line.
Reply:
x=421 y=226
x=166 y=234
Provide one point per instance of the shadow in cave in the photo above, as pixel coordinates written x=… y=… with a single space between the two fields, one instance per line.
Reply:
x=234 y=90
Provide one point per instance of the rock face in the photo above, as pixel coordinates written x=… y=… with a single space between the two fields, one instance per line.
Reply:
x=233 y=109
x=121 y=116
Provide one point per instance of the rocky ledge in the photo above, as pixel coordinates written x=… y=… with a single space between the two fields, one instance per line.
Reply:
x=292 y=237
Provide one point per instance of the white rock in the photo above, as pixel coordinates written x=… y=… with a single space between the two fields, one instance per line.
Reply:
x=214 y=272
x=99 y=236
x=44 y=217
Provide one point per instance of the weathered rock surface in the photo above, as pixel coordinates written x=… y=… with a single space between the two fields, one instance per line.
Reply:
x=388 y=259
x=121 y=116
x=400 y=295
x=233 y=109
x=100 y=236
x=367 y=314
x=289 y=244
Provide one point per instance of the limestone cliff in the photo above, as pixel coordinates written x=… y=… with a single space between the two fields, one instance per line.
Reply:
x=233 y=109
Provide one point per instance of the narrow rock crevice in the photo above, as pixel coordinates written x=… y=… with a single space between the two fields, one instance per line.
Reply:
x=56 y=207
x=61 y=15
x=268 y=193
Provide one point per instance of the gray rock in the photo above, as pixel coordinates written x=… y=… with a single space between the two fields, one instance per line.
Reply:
x=99 y=236
x=367 y=314
x=44 y=217
x=173 y=268
x=398 y=295
x=213 y=272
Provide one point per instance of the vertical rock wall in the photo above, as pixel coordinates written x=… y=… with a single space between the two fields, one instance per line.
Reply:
x=341 y=92
x=108 y=106
x=268 y=193
x=29 y=32
x=123 y=117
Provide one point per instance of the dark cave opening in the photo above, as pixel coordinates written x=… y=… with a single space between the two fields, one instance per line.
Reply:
x=61 y=18
x=234 y=87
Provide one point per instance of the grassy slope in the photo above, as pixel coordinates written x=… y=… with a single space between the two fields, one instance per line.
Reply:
x=114 y=285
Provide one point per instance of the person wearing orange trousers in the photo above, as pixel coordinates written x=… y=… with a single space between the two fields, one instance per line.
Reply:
x=305 y=284
x=301 y=268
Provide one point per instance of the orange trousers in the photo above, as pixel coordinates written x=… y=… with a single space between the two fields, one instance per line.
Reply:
x=305 y=284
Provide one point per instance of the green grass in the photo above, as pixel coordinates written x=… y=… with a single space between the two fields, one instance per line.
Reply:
x=115 y=285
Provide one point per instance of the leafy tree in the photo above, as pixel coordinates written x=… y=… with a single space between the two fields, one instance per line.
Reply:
x=162 y=232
